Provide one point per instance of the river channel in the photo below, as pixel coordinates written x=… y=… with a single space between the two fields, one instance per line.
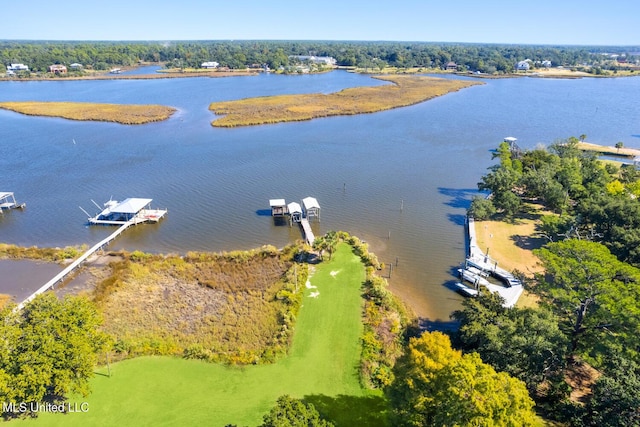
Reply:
x=400 y=179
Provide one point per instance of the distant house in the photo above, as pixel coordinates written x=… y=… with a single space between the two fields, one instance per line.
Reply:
x=75 y=66
x=523 y=65
x=209 y=65
x=17 y=67
x=451 y=66
x=546 y=64
x=57 y=69
x=326 y=60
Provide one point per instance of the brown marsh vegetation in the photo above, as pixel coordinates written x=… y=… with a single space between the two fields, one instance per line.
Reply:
x=118 y=113
x=405 y=90
x=8 y=251
x=236 y=307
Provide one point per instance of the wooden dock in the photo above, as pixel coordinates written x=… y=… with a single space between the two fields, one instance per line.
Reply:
x=306 y=230
x=63 y=274
x=476 y=258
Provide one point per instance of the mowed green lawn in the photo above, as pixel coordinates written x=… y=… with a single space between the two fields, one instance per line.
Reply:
x=322 y=367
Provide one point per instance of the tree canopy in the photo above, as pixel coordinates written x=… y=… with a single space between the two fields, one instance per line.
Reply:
x=485 y=58
x=595 y=295
x=49 y=349
x=290 y=412
x=437 y=385
x=526 y=343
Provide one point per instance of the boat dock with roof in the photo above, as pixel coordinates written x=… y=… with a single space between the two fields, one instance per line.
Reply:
x=8 y=201
x=301 y=214
x=131 y=210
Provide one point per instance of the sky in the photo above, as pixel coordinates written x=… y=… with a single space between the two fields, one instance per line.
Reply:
x=549 y=22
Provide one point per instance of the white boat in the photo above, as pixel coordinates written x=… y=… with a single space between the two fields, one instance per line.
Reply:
x=465 y=290
x=477 y=271
x=472 y=278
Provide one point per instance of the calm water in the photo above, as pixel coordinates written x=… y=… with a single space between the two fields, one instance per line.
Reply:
x=215 y=182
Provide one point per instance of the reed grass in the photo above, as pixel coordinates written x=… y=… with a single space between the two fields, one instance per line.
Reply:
x=8 y=251
x=237 y=307
x=404 y=91
x=85 y=111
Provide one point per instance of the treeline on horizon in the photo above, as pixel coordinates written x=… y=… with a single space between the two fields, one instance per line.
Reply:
x=486 y=58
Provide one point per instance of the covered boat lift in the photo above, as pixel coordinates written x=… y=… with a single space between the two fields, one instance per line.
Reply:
x=8 y=201
x=311 y=208
x=132 y=210
x=278 y=207
x=295 y=212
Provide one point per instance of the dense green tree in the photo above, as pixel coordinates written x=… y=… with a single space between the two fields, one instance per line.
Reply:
x=438 y=386
x=485 y=58
x=615 y=221
x=49 y=349
x=615 y=401
x=481 y=208
x=595 y=296
x=290 y=412
x=525 y=343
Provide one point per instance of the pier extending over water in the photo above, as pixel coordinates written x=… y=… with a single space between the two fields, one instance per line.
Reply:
x=130 y=212
x=76 y=263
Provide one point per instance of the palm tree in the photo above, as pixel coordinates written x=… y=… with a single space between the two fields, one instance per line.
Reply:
x=619 y=145
x=320 y=245
x=331 y=239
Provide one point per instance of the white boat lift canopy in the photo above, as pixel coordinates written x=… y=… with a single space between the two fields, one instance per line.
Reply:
x=8 y=201
x=131 y=205
x=311 y=208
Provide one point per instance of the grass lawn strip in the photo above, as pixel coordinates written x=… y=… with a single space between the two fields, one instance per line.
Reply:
x=323 y=362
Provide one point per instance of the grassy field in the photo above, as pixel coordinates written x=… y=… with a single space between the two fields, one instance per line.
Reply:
x=322 y=367
x=404 y=91
x=123 y=114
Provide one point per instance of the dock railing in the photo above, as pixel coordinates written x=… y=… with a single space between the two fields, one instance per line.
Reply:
x=60 y=276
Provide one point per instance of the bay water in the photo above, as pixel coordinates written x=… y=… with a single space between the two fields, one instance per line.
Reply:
x=400 y=179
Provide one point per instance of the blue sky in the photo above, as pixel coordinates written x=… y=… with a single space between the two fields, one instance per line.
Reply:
x=585 y=22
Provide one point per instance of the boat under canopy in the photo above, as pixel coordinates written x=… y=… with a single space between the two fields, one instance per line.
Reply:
x=132 y=209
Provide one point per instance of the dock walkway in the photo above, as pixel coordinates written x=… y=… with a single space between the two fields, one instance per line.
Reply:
x=306 y=229
x=60 y=276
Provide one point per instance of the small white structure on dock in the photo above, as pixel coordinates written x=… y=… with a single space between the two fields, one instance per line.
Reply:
x=8 y=201
x=278 y=207
x=299 y=214
x=131 y=210
x=311 y=208
x=295 y=212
